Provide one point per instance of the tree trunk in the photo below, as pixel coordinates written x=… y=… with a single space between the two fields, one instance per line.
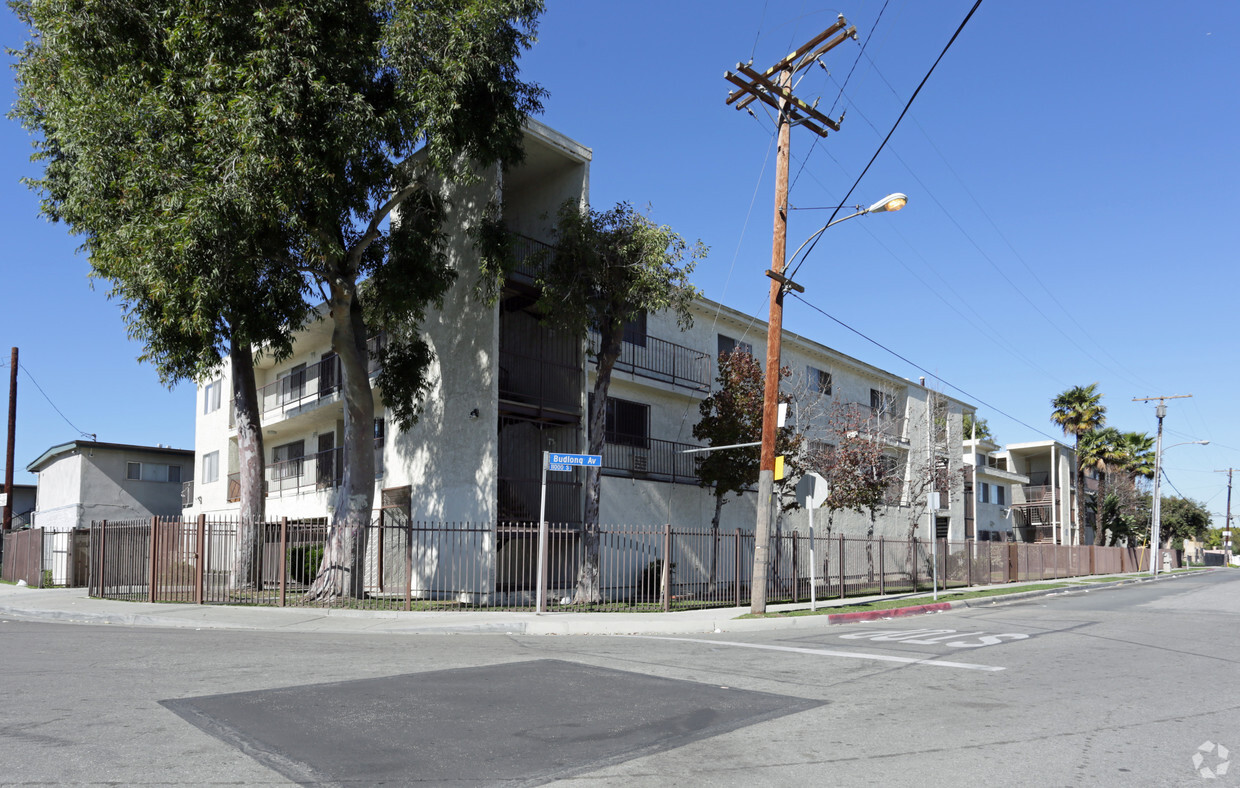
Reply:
x=713 y=579
x=588 y=589
x=1100 y=531
x=342 y=571
x=1080 y=490
x=250 y=460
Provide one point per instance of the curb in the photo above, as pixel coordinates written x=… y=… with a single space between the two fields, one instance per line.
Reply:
x=997 y=599
x=898 y=612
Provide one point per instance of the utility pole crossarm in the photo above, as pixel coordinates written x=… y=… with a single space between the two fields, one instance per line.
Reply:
x=754 y=86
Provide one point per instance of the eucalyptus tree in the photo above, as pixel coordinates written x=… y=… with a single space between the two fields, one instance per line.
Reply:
x=604 y=269
x=304 y=116
x=129 y=139
x=1077 y=411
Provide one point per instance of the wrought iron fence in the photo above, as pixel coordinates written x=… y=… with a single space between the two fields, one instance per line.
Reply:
x=408 y=565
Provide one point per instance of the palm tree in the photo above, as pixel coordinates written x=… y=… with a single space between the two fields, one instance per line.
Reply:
x=1102 y=449
x=1078 y=411
x=1138 y=451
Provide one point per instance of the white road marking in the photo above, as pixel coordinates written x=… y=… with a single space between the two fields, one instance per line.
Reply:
x=937 y=663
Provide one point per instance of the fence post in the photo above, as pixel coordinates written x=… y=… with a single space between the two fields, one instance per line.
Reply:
x=150 y=590
x=200 y=548
x=842 y=588
x=1091 y=560
x=408 y=564
x=912 y=552
x=103 y=564
x=737 y=576
x=882 y=567
x=667 y=567
x=283 y=558
x=796 y=575
x=380 y=550
x=968 y=563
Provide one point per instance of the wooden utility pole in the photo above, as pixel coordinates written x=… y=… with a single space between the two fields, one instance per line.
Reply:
x=774 y=88
x=7 y=522
x=1227 y=522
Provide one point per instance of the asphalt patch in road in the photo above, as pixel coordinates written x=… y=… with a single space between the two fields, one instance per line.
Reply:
x=519 y=723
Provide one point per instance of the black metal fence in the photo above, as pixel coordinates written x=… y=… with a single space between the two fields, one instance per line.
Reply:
x=405 y=565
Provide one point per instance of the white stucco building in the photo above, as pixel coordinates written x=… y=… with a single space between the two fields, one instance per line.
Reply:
x=1045 y=506
x=506 y=388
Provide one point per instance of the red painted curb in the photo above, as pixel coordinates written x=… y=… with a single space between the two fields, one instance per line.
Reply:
x=871 y=615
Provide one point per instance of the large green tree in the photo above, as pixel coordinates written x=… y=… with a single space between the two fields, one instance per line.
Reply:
x=129 y=152
x=305 y=115
x=604 y=269
x=1180 y=519
x=1077 y=411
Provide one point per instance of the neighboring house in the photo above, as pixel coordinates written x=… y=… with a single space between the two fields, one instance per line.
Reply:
x=994 y=489
x=23 y=503
x=81 y=481
x=1045 y=506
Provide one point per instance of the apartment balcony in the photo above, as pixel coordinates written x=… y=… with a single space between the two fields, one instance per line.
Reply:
x=650 y=357
x=305 y=389
x=881 y=422
x=299 y=475
x=636 y=457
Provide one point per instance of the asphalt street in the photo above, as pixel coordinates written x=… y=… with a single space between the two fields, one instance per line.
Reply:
x=1124 y=686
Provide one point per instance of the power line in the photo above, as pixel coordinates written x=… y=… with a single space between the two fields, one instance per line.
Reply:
x=915 y=365
x=894 y=126
x=834 y=104
x=22 y=367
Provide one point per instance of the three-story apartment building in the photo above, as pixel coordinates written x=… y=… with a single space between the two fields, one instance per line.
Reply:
x=506 y=388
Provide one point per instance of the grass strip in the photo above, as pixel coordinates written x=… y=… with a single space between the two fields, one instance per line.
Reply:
x=891 y=604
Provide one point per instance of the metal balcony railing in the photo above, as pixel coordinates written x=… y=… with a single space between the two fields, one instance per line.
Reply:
x=658 y=359
x=650 y=458
x=319 y=471
x=882 y=422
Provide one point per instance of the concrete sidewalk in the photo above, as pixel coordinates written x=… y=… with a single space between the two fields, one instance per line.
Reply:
x=72 y=605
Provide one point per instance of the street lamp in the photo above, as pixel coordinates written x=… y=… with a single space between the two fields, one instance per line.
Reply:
x=781 y=284
x=1156 y=514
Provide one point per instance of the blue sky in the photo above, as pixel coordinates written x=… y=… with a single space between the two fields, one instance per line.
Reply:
x=1071 y=171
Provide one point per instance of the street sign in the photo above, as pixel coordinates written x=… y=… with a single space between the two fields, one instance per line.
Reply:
x=566 y=462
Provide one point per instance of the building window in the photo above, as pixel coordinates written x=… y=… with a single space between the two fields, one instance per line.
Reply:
x=818 y=380
x=627 y=423
x=292 y=384
x=287 y=460
x=983 y=493
x=635 y=329
x=211 y=396
x=727 y=344
x=211 y=467
x=152 y=472
x=1000 y=494
x=380 y=438
x=882 y=403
